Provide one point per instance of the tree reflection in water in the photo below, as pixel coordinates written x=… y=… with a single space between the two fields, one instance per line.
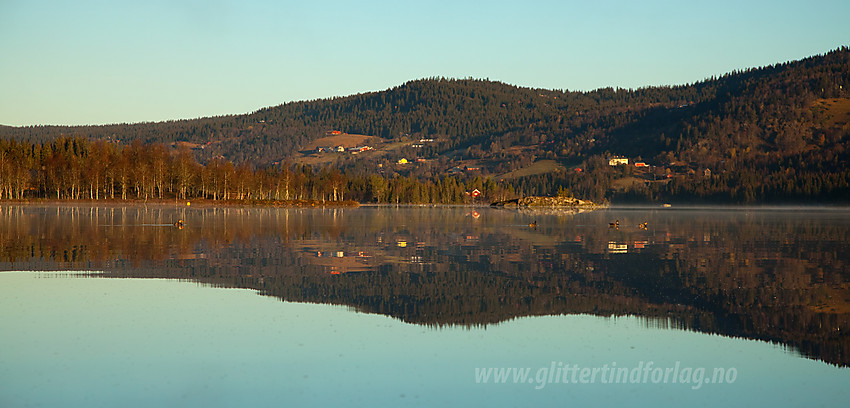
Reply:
x=779 y=276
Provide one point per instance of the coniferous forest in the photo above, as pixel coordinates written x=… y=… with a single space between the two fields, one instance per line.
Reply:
x=778 y=133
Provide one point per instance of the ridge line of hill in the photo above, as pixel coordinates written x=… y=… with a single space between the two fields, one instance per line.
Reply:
x=776 y=130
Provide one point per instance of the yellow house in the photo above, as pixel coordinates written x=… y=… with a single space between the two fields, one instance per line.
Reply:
x=402 y=161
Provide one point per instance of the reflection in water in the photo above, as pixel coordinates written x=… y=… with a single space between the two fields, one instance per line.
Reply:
x=779 y=276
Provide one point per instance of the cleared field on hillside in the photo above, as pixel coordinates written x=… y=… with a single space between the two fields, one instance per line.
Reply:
x=836 y=111
x=538 y=167
x=344 y=140
x=309 y=156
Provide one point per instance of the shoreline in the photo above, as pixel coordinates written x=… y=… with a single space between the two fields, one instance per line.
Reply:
x=353 y=204
x=202 y=203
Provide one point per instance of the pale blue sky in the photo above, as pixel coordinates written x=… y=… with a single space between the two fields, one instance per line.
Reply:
x=112 y=61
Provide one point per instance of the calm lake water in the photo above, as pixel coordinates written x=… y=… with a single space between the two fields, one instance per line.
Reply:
x=447 y=306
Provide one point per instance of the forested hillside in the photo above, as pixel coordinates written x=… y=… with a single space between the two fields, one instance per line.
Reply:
x=765 y=134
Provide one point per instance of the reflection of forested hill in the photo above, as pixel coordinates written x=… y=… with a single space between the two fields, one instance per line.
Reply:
x=756 y=275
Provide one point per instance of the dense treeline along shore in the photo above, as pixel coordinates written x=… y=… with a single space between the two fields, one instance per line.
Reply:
x=778 y=133
x=79 y=169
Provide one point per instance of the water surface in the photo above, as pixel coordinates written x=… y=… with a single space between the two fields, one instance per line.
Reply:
x=412 y=306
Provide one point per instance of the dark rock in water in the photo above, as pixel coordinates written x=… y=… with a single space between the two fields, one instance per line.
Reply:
x=546 y=202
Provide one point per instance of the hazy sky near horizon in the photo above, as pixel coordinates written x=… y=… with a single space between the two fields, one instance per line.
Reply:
x=101 y=61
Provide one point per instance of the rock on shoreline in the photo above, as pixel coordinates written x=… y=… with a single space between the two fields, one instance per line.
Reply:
x=547 y=202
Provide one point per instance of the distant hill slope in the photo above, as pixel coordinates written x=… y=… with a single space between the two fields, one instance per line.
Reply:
x=788 y=115
x=458 y=112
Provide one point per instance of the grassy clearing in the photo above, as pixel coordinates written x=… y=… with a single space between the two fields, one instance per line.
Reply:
x=538 y=167
x=833 y=112
x=344 y=140
x=626 y=183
